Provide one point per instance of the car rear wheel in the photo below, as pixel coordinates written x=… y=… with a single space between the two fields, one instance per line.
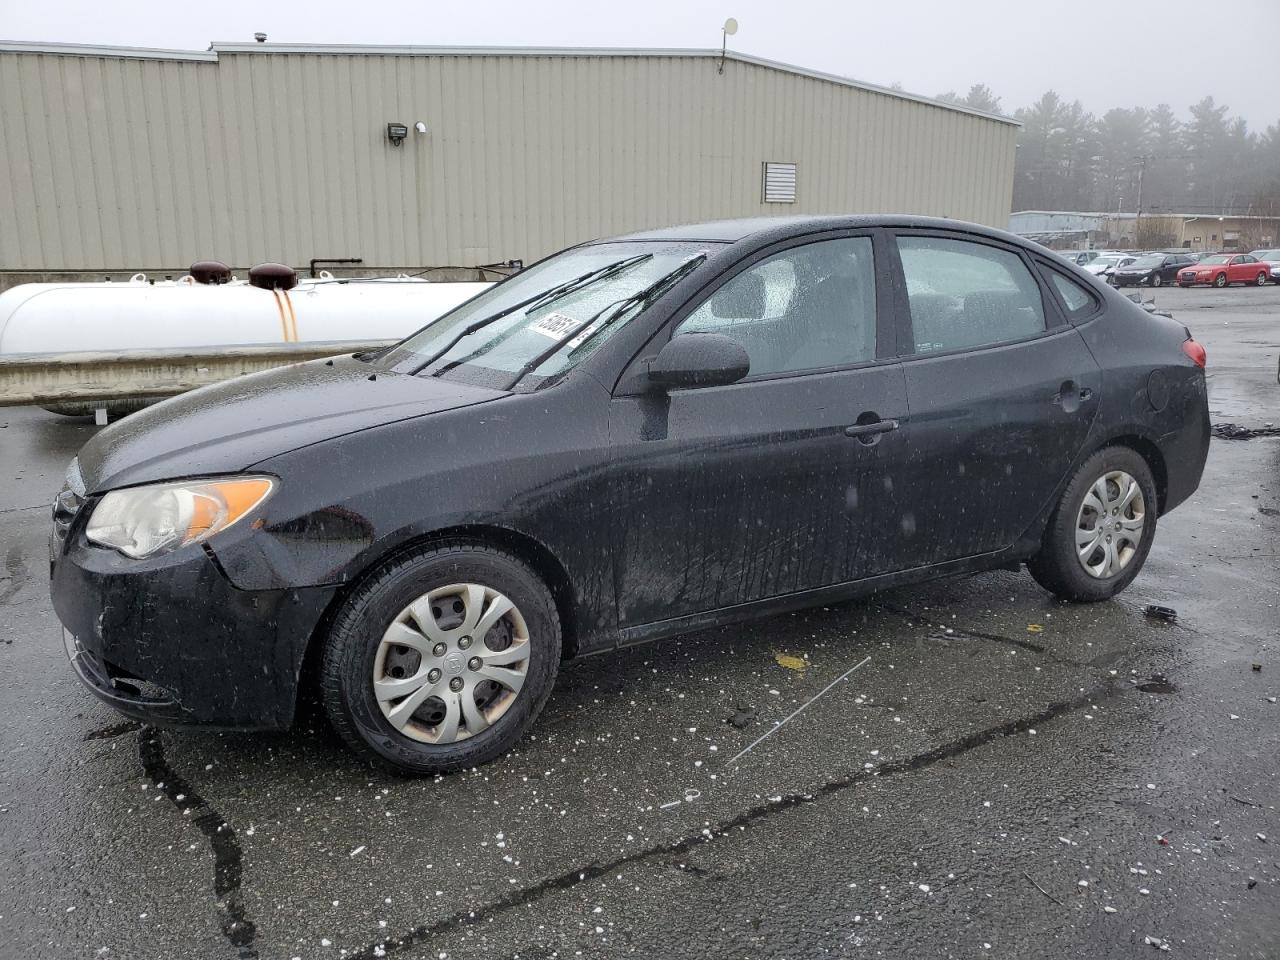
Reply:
x=1101 y=531
x=1262 y=279
x=441 y=660
x=1220 y=280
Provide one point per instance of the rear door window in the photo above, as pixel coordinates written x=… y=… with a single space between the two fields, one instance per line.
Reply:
x=964 y=295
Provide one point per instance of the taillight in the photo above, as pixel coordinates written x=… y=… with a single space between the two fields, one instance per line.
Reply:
x=1195 y=351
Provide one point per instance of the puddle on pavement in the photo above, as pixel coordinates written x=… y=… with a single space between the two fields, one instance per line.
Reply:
x=1157 y=683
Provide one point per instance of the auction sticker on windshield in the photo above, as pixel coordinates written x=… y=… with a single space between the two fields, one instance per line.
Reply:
x=557 y=326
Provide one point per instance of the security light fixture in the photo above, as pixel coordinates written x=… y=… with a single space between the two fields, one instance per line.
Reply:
x=396 y=132
x=420 y=127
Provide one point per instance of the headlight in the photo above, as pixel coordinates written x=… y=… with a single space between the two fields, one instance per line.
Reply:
x=146 y=521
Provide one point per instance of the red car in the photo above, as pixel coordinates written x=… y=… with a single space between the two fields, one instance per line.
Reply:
x=1223 y=268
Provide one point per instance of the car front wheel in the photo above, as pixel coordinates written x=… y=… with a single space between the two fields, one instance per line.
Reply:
x=441 y=659
x=1101 y=531
x=1156 y=280
x=1220 y=280
x=1262 y=279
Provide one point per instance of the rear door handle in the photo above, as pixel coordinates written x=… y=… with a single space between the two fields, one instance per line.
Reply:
x=870 y=429
x=1070 y=396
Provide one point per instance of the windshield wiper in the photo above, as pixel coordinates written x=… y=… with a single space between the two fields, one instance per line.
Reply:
x=620 y=307
x=537 y=299
x=562 y=291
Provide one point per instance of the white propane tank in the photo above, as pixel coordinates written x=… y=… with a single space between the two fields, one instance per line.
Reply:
x=139 y=315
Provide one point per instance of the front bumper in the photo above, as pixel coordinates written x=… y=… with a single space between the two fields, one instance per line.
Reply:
x=171 y=641
x=119 y=691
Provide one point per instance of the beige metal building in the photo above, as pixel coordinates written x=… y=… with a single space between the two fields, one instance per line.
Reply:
x=1062 y=229
x=121 y=159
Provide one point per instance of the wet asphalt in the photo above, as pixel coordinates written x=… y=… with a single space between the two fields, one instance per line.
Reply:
x=1005 y=776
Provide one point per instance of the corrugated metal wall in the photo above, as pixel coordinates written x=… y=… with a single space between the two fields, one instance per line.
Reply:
x=127 y=163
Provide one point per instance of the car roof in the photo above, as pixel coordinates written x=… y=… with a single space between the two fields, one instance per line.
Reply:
x=780 y=228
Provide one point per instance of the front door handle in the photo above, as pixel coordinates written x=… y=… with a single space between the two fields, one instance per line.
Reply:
x=870 y=429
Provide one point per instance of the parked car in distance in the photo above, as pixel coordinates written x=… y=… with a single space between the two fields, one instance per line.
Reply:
x=631 y=439
x=1271 y=258
x=1105 y=265
x=1078 y=257
x=1150 y=270
x=1084 y=257
x=1221 y=269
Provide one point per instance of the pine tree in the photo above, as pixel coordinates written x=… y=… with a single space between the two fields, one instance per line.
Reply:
x=1122 y=139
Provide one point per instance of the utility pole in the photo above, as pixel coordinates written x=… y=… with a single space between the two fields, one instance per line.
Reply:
x=1142 y=169
x=1137 y=217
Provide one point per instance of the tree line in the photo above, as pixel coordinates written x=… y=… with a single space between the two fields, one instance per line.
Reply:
x=1211 y=163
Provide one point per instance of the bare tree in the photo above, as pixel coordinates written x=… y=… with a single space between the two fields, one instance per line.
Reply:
x=1153 y=233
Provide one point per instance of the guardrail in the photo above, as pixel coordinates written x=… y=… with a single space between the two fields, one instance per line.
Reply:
x=57 y=378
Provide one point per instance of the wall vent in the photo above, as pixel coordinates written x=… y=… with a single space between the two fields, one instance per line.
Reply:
x=779 y=182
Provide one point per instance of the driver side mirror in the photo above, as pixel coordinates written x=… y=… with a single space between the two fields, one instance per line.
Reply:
x=700 y=360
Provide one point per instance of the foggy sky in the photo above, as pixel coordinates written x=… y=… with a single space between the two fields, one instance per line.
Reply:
x=1105 y=54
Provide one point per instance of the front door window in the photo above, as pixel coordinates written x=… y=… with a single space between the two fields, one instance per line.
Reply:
x=810 y=307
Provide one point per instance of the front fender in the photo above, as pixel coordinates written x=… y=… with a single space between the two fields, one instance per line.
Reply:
x=534 y=465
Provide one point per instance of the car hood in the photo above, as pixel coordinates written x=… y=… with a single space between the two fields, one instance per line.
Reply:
x=229 y=426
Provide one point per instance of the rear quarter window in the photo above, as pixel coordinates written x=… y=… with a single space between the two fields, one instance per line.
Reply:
x=1079 y=302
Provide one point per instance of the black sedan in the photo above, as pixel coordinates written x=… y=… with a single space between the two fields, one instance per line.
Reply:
x=630 y=439
x=1151 y=270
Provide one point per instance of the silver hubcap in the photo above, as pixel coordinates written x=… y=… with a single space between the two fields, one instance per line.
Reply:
x=1109 y=525
x=451 y=663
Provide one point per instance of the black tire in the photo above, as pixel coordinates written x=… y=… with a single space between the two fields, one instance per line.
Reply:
x=1056 y=567
x=1157 y=280
x=1220 y=280
x=1262 y=279
x=352 y=641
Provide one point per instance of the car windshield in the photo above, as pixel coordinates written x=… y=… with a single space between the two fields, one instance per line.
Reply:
x=1149 y=261
x=1267 y=254
x=1217 y=258
x=545 y=320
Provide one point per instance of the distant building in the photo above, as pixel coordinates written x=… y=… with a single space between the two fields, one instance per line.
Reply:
x=1062 y=230
x=118 y=159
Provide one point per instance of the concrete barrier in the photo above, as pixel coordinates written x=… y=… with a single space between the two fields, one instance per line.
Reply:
x=49 y=379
